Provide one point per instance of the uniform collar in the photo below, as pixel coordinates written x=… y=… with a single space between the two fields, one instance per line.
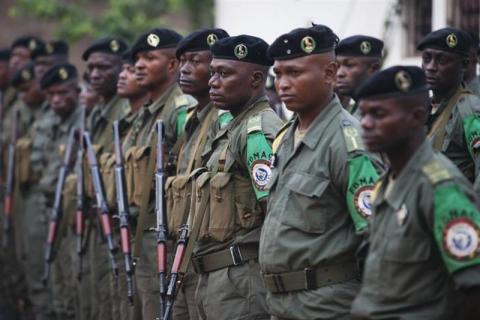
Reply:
x=410 y=172
x=160 y=102
x=320 y=124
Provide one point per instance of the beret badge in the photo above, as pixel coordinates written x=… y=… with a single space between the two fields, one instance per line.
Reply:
x=451 y=40
x=240 y=51
x=32 y=45
x=114 y=45
x=211 y=39
x=308 y=44
x=365 y=47
x=153 y=40
x=26 y=75
x=403 y=81
x=49 y=48
x=63 y=73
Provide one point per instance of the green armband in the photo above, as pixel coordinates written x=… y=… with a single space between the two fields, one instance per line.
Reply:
x=181 y=120
x=361 y=181
x=456 y=228
x=259 y=152
x=471 y=127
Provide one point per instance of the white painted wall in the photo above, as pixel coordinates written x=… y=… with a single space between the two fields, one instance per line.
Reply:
x=270 y=18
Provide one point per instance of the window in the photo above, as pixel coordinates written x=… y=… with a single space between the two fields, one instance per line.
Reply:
x=418 y=24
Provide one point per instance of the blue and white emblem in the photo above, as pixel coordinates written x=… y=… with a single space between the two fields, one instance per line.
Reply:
x=261 y=174
x=461 y=239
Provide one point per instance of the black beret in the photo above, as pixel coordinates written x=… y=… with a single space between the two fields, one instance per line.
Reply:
x=200 y=40
x=303 y=42
x=447 y=39
x=58 y=74
x=23 y=75
x=395 y=81
x=242 y=48
x=57 y=47
x=4 y=54
x=127 y=57
x=360 y=46
x=29 y=42
x=155 y=39
x=115 y=46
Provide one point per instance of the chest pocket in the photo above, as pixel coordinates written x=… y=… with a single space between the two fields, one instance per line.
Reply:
x=177 y=189
x=305 y=208
x=140 y=180
x=407 y=250
x=23 y=165
x=107 y=169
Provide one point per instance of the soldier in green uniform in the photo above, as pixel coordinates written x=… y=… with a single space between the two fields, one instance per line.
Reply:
x=49 y=54
x=195 y=57
x=470 y=77
x=232 y=195
x=322 y=179
x=453 y=123
x=103 y=64
x=61 y=86
x=424 y=257
x=358 y=57
x=156 y=70
x=127 y=88
x=30 y=222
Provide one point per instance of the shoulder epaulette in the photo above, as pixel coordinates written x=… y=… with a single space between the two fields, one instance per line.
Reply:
x=254 y=123
x=183 y=100
x=352 y=137
x=436 y=172
x=279 y=137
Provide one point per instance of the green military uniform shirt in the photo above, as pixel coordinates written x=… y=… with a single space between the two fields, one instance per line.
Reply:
x=100 y=121
x=424 y=242
x=319 y=199
x=459 y=137
x=242 y=162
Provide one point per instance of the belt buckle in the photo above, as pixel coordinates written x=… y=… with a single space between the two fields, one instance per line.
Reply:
x=236 y=255
x=310 y=279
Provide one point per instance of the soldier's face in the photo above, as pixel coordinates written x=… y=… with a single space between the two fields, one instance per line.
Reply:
x=194 y=72
x=386 y=123
x=3 y=75
x=127 y=85
x=42 y=64
x=102 y=71
x=18 y=58
x=351 y=73
x=305 y=82
x=31 y=94
x=63 y=97
x=444 y=70
x=155 y=68
x=230 y=87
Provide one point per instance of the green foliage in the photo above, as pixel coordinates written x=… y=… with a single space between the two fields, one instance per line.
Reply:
x=75 y=19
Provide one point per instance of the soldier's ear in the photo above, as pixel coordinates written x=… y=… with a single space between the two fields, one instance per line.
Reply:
x=258 y=78
x=330 y=73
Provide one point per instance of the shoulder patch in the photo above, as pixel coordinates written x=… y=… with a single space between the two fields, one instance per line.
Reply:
x=254 y=123
x=436 y=172
x=352 y=137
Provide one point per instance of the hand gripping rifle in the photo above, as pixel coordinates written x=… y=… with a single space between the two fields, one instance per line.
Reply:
x=183 y=251
x=80 y=205
x=160 y=214
x=123 y=210
x=57 y=211
x=10 y=183
x=102 y=206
